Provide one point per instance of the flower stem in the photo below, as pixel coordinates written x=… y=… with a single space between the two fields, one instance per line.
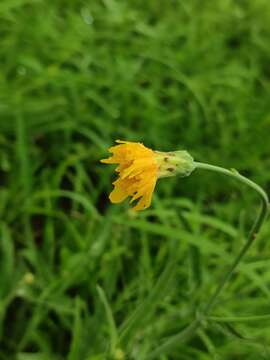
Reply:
x=253 y=233
x=189 y=331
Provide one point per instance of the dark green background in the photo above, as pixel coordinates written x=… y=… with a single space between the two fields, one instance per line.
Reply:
x=75 y=76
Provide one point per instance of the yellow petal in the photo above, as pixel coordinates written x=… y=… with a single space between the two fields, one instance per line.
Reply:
x=146 y=199
x=137 y=167
x=117 y=195
x=107 y=161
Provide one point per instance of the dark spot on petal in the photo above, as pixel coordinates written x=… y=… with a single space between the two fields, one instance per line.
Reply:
x=170 y=169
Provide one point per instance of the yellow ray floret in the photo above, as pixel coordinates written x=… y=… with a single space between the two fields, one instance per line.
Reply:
x=139 y=168
x=138 y=172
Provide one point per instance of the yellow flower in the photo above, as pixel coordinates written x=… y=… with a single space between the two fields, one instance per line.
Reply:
x=139 y=169
x=138 y=173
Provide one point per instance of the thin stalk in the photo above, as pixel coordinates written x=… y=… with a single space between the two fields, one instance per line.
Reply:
x=230 y=319
x=253 y=233
x=190 y=330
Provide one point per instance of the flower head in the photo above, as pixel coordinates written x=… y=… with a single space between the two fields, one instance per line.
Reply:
x=139 y=169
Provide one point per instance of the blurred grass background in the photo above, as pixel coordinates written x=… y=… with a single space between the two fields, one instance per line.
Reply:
x=79 y=277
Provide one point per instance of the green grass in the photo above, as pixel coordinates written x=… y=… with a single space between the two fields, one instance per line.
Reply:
x=82 y=279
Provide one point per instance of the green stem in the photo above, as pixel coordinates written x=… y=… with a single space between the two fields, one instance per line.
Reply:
x=189 y=331
x=253 y=233
x=239 y=318
x=235 y=174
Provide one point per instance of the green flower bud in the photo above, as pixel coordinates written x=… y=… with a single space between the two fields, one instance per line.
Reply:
x=174 y=163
